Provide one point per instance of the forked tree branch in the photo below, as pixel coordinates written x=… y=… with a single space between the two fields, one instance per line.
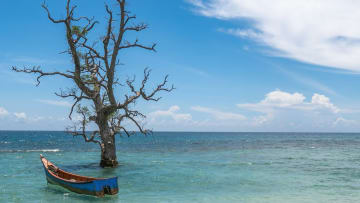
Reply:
x=82 y=131
x=37 y=70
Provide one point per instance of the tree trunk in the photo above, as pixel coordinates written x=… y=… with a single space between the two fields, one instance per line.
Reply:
x=108 y=147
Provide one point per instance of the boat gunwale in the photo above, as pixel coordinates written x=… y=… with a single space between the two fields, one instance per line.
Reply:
x=66 y=180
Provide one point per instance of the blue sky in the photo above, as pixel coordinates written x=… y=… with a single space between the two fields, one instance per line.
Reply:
x=246 y=65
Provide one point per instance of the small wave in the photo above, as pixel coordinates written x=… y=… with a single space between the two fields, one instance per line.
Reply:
x=157 y=162
x=33 y=150
x=43 y=150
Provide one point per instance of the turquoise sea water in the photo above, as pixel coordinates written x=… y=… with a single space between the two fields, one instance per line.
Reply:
x=190 y=167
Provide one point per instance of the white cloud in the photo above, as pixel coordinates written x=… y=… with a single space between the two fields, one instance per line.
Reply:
x=277 y=111
x=173 y=119
x=343 y=121
x=323 y=32
x=260 y=120
x=3 y=112
x=284 y=111
x=283 y=99
x=21 y=115
x=279 y=99
x=283 y=108
x=323 y=102
x=54 y=102
x=220 y=115
x=170 y=113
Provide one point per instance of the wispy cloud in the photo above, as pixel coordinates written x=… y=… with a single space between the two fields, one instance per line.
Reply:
x=243 y=33
x=3 y=112
x=346 y=122
x=35 y=60
x=308 y=82
x=20 y=115
x=309 y=31
x=197 y=72
x=55 y=102
x=23 y=121
x=173 y=119
x=197 y=3
x=220 y=115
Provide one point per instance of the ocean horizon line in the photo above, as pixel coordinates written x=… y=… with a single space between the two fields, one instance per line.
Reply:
x=160 y=131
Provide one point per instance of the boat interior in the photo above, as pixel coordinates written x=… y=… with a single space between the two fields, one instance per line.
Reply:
x=56 y=171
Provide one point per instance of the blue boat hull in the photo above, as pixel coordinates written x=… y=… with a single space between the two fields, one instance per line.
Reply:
x=97 y=187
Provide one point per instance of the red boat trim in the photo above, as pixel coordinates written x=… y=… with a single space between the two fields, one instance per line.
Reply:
x=47 y=163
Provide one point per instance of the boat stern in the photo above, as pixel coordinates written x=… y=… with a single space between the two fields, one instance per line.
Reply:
x=106 y=186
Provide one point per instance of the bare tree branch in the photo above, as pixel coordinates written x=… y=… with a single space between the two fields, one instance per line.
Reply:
x=49 y=16
x=135 y=44
x=82 y=131
x=86 y=138
x=73 y=94
x=137 y=28
x=37 y=70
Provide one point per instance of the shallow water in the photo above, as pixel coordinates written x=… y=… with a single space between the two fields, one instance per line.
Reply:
x=190 y=167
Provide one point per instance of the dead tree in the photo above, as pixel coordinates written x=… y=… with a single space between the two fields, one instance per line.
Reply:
x=94 y=75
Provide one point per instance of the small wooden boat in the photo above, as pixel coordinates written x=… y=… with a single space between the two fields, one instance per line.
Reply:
x=79 y=184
